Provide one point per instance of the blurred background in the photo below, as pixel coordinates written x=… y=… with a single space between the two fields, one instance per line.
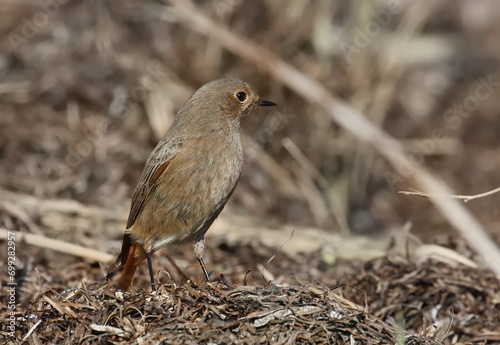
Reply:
x=88 y=88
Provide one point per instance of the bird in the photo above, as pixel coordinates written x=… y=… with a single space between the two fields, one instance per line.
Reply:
x=189 y=176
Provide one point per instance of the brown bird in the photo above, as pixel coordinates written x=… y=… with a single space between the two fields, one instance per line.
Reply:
x=189 y=176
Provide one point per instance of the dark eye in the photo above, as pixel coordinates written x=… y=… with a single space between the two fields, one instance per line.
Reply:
x=242 y=96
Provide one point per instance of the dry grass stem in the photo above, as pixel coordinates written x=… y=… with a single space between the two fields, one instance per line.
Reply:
x=465 y=198
x=58 y=246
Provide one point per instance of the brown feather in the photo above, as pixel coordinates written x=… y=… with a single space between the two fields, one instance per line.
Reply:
x=156 y=165
x=128 y=270
x=190 y=175
x=126 y=244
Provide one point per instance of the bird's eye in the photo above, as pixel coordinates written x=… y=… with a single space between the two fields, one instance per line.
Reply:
x=242 y=96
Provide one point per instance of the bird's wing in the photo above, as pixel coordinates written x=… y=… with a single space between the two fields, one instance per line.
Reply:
x=157 y=162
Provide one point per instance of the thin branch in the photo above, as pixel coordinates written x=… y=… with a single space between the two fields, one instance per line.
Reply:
x=31 y=330
x=346 y=116
x=465 y=198
x=57 y=245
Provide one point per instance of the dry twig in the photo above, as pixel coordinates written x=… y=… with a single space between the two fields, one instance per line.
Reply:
x=465 y=198
x=57 y=245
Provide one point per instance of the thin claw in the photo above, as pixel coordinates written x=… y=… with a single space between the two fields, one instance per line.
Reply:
x=151 y=274
x=204 y=268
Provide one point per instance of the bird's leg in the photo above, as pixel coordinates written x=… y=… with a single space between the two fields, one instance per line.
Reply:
x=151 y=274
x=199 y=248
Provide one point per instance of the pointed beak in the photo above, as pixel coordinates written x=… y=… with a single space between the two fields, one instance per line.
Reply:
x=263 y=103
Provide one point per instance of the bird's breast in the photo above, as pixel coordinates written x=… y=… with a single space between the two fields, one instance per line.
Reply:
x=209 y=169
x=193 y=186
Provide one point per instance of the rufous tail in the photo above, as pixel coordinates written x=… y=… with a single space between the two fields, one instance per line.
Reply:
x=127 y=259
x=128 y=270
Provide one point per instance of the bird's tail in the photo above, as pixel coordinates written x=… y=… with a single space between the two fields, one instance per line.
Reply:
x=127 y=259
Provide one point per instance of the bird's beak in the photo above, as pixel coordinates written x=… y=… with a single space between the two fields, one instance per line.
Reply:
x=262 y=103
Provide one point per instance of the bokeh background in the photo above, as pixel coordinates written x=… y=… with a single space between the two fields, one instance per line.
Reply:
x=87 y=89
